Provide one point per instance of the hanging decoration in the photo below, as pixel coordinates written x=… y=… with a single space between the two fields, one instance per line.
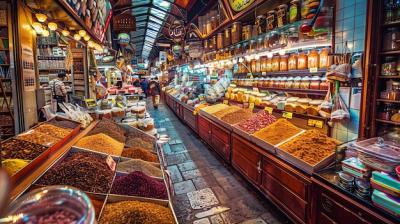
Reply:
x=124 y=39
x=176 y=31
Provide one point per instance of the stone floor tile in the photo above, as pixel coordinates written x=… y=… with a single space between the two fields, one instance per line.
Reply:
x=213 y=211
x=204 y=181
x=176 y=159
x=190 y=165
x=175 y=174
x=177 y=148
x=184 y=187
x=202 y=221
x=204 y=198
x=190 y=174
x=216 y=219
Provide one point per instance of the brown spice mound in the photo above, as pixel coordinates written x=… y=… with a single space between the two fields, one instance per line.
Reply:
x=278 y=131
x=136 y=133
x=226 y=111
x=138 y=142
x=312 y=146
x=140 y=153
x=113 y=134
x=238 y=116
x=136 y=212
x=111 y=125
x=101 y=143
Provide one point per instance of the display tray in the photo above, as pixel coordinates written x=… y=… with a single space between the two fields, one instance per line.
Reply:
x=222 y=124
x=237 y=130
x=263 y=144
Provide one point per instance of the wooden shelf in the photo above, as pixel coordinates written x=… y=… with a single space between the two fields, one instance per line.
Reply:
x=52 y=69
x=5 y=79
x=395 y=23
x=388 y=122
x=297 y=91
x=4 y=64
x=291 y=73
x=388 y=101
x=390 y=52
x=389 y=76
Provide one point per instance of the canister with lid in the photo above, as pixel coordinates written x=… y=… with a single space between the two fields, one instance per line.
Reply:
x=302 y=61
x=236 y=32
x=313 y=58
x=271 y=20
x=275 y=63
x=292 y=62
x=283 y=63
x=324 y=61
x=261 y=24
x=246 y=33
x=282 y=15
x=227 y=37
x=220 y=40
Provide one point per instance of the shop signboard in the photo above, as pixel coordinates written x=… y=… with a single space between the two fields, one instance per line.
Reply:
x=162 y=57
x=239 y=5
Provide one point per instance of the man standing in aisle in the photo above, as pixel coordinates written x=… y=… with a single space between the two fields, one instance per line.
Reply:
x=58 y=90
x=154 y=91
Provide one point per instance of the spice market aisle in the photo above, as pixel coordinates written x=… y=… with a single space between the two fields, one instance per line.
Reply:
x=205 y=190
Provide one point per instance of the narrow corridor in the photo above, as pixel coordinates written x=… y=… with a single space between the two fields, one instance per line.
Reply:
x=206 y=191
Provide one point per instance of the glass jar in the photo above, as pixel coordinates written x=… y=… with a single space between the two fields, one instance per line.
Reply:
x=261 y=24
x=209 y=26
x=292 y=36
x=281 y=15
x=305 y=83
x=64 y=203
x=313 y=59
x=389 y=66
x=283 y=63
x=260 y=82
x=282 y=83
x=269 y=65
x=315 y=82
x=391 y=39
x=263 y=64
x=294 y=11
x=313 y=107
x=289 y=83
x=273 y=39
x=220 y=40
x=255 y=82
x=275 y=63
x=302 y=61
x=296 y=82
x=258 y=65
x=268 y=82
x=260 y=44
x=253 y=46
x=394 y=94
x=236 y=32
x=271 y=20
x=292 y=62
x=324 y=85
x=266 y=42
x=302 y=105
x=246 y=32
x=237 y=50
x=324 y=58
x=277 y=82
x=227 y=37
x=253 y=65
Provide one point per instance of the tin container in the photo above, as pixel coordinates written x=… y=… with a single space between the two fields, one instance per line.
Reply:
x=236 y=32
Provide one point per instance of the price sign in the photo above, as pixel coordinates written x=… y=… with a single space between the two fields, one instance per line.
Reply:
x=226 y=102
x=111 y=163
x=313 y=70
x=311 y=122
x=315 y=123
x=90 y=103
x=201 y=97
x=269 y=109
x=251 y=106
x=319 y=124
x=287 y=115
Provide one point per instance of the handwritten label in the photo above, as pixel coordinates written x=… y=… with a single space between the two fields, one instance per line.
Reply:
x=315 y=123
x=225 y=102
x=313 y=70
x=251 y=106
x=111 y=163
x=269 y=109
x=287 y=115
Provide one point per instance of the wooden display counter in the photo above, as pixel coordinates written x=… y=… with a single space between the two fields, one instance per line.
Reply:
x=302 y=197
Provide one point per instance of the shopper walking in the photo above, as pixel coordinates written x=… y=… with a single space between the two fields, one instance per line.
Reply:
x=58 y=90
x=154 y=91
x=144 y=84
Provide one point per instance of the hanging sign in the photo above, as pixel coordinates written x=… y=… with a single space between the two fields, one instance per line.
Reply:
x=287 y=115
x=269 y=109
x=177 y=31
x=239 y=5
x=162 y=57
x=124 y=39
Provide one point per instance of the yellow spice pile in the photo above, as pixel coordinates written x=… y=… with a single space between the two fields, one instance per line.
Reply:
x=101 y=143
x=226 y=111
x=214 y=108
x=312 y=146
x=278 y=131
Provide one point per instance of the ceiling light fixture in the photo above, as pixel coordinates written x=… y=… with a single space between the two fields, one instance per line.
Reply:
x=90 y=44
x=86 y=37
x=38 y=27
x=41 y=17
x=82 y=33
x=77 y=37
x=52 y=26
x=65 y=32
x=45 y=33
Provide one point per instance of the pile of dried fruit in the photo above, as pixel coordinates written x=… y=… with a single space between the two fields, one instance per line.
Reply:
x=237 y=116
x=53 y=130
x=18 y=149
x=139 y=184
x=136 y=212
x=83 y=170
x=312 y=146
x=258 y=121
x=151 y=169
x=38 y=138
x=101 y=143
x=140 y=153
x=278 y=131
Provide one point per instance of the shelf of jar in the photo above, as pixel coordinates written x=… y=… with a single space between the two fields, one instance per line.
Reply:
x=304 y=72
x=390 y=52
x=388 y=122
x=388 y=101
x=389 y=77
x=389 y=24
x=295 y=91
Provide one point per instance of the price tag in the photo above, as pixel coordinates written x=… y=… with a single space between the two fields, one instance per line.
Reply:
x=313 y=70
x=111 y=163
x=90 y=103
x=194 y=112
x=201 y=97
x=255 y=89
x=263 y=73
x=315 y=123
x=251 y=106
x=225 y=102
x=287 y=115
x=311 y=122
x=269 y=109
x=319 y=124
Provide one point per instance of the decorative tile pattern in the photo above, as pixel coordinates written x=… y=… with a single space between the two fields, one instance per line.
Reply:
x=204 y=198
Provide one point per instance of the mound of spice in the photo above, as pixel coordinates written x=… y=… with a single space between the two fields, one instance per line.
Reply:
x=53 y=130
x=12 y=166
x=63 y=123
x=140 y=153
x=111 y=125
x=138 y=142
x=214 y=108
x=84 y=170
x=101 y=143
x=258 y=121
x=38 y=138
x=221 y=113
x=58 y=216
x=139 y=184
x=18 y=149
x=135 y=133
x=136 y=212
x=151 y=169
x=238 y=116
x=113 y=134
x=278 y=131
x=312 y=146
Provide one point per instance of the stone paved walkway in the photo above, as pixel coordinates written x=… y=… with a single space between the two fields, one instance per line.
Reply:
x=207 y=190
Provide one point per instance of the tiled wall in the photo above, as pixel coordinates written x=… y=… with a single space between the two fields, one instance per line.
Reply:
x=349 y=26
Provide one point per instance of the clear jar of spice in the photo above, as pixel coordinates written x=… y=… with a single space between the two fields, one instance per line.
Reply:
x=283 y=63
x=282 y=15
x=292 y=36
x=324 y=85
x=258 y=65
x=253 y=65
x=313 y=59
x=260 y=44
x=227 y=37
x=324 y=61
x=305 y=83
x=315 y=82
x=294 y=11
x=282 y=83
x=275 y=63
x=302 y=61
x=296 y=82
x=273 y=39
x=263 y=64
x=269 y=65
x=292 y=62
x=261 y=24
x=220 y=40
x=271 y=20
x=289 y=82
x=236 y=32
x=246 y=32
